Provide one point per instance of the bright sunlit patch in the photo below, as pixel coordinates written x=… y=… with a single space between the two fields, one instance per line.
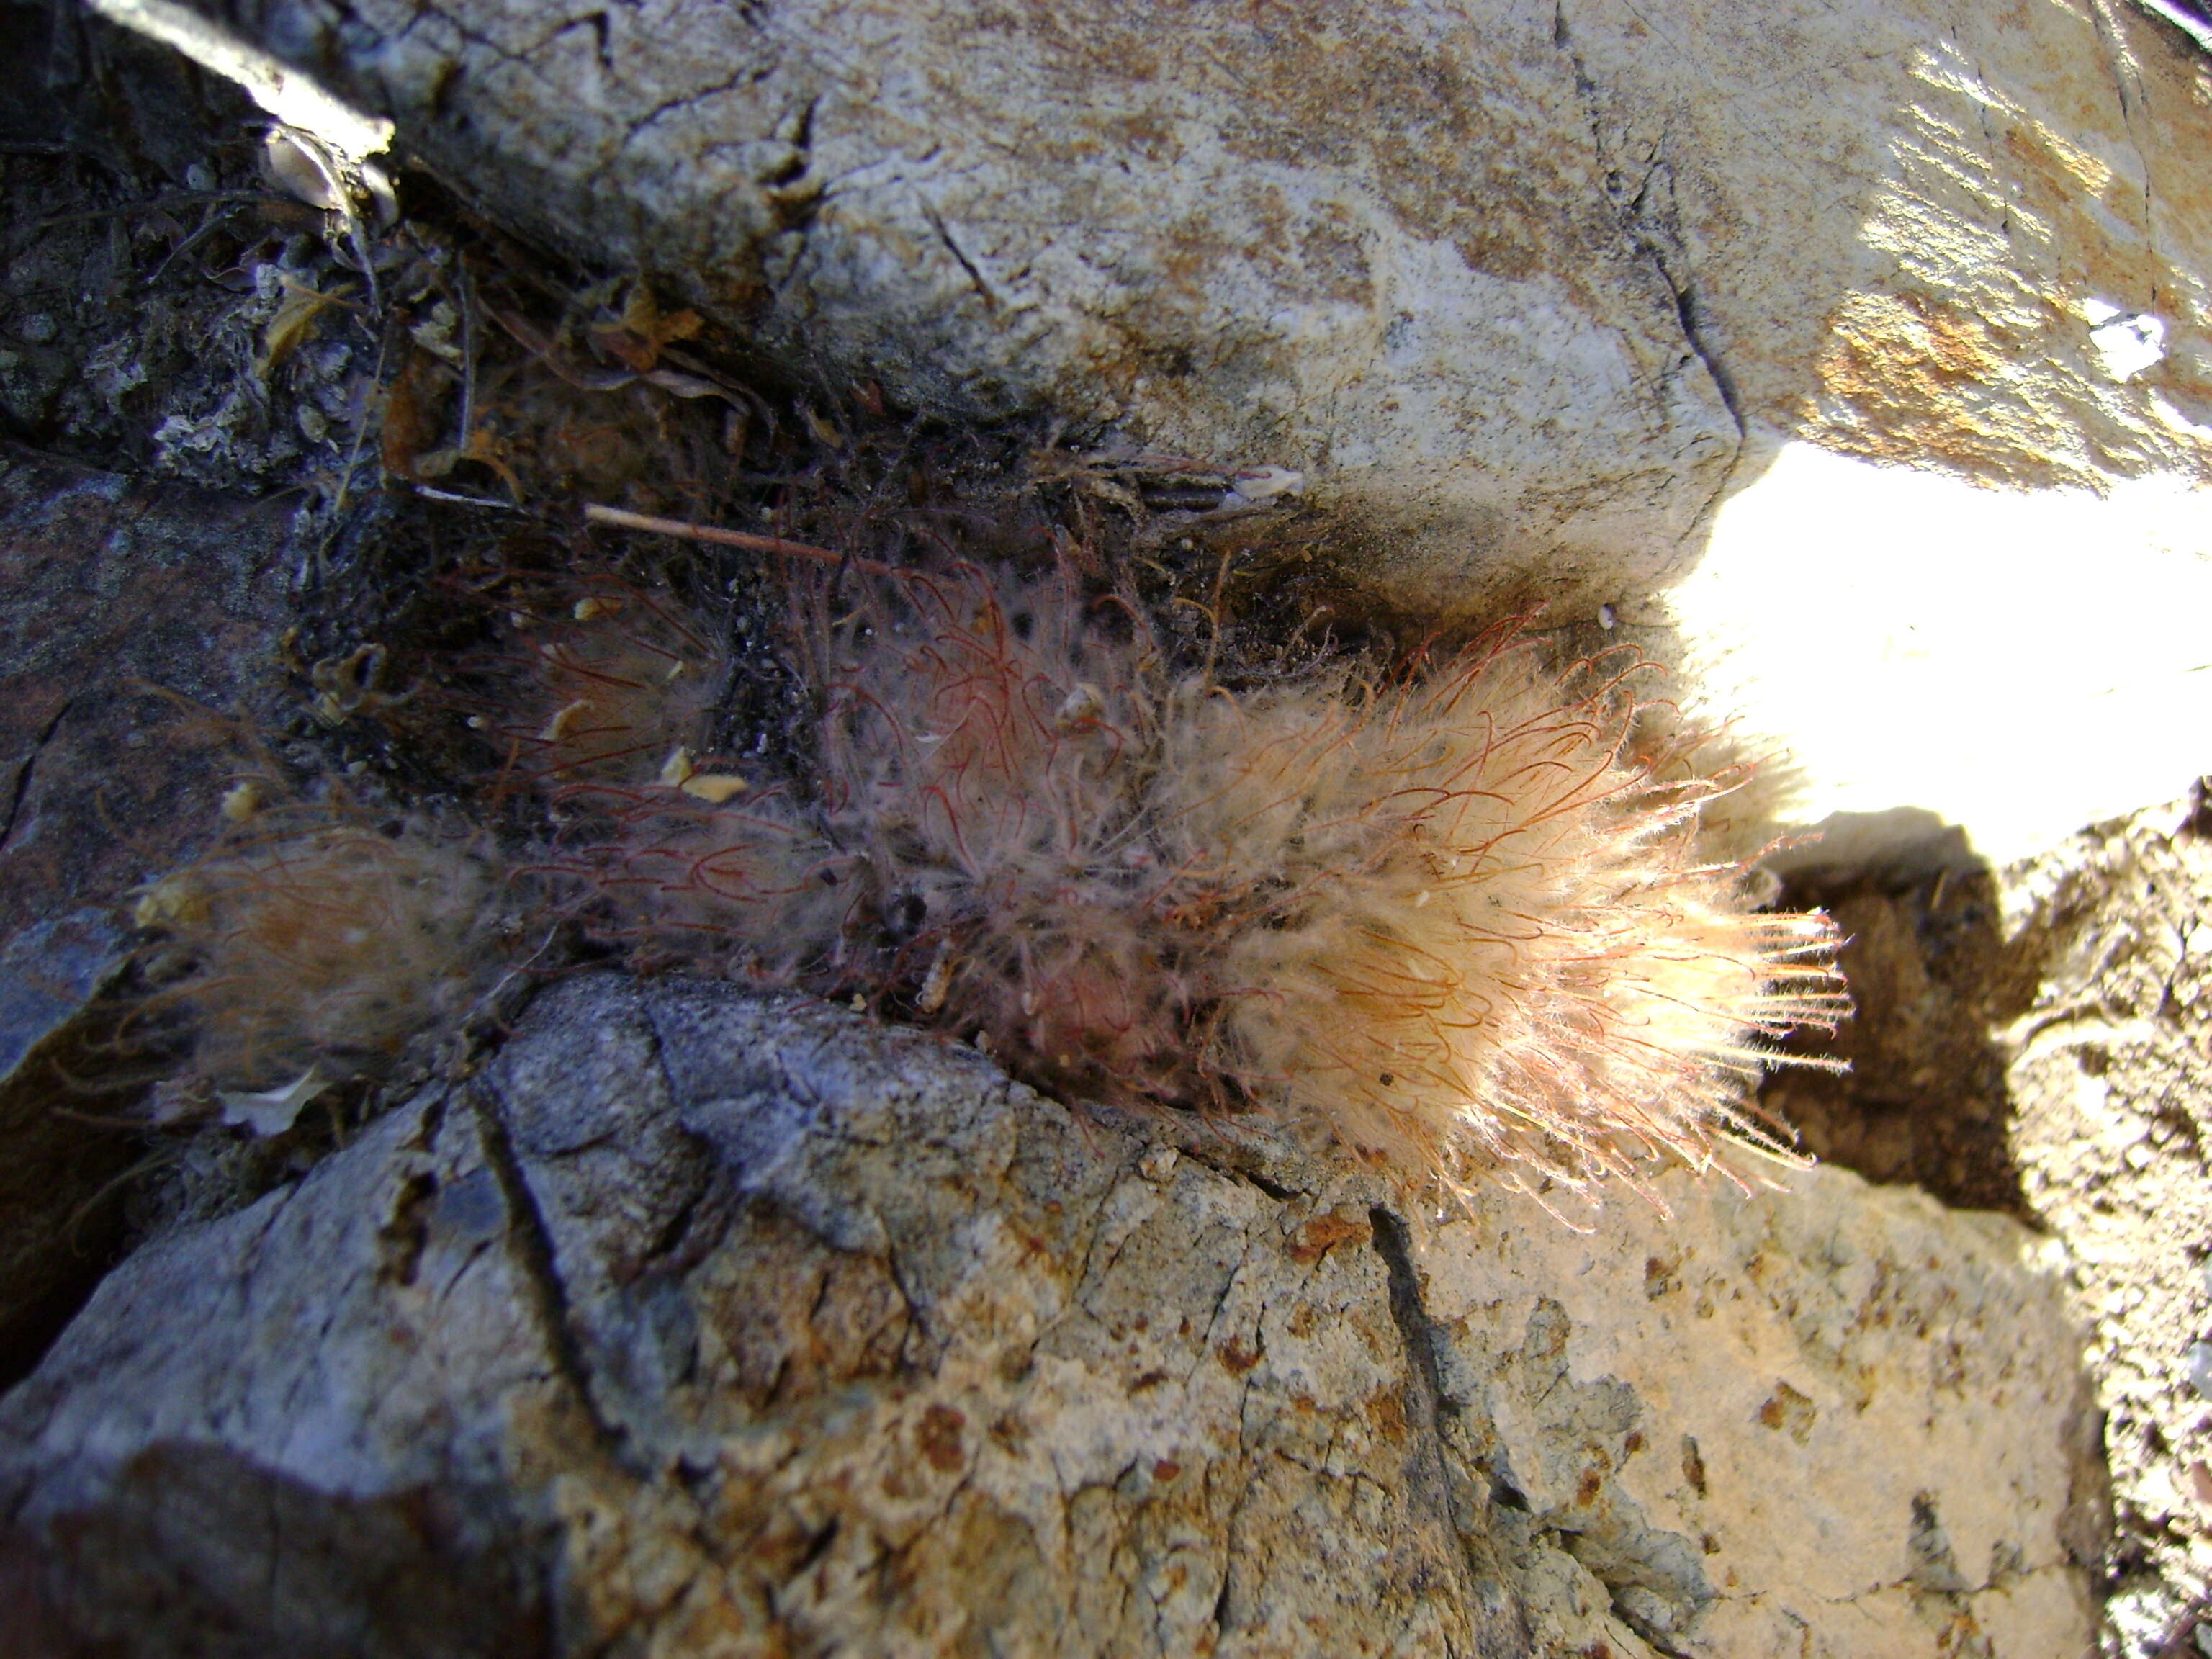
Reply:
x=2020 y=663
x=2126 y=345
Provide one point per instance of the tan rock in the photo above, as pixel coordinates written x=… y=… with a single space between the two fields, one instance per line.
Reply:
x=1528 y=287
x=2109 y=1071
x=1881 y=318
x=752 y=1327
x=1823 y=1416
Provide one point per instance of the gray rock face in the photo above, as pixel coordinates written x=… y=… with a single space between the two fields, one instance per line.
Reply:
x=1516 y=286
x=117 y=601
x=699 y=1324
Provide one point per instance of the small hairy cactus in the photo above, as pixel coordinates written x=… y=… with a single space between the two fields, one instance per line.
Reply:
x=1450 y=919
x=626 y=680
x=313 y=942
x=1457 y=919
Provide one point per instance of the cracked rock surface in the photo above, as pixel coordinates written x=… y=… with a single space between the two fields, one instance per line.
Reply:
x=1515 y=285
x=699 y=1324
x=2109 y=1073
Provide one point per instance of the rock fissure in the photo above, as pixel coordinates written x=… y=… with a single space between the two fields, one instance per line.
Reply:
x=975 y=276
x=1430 y=1466
x=917 y=1332
x=432 y=20
x=1647 y=228
x=21 y=791
x=752 y=74
x=2128 y=87
x=532 y=1249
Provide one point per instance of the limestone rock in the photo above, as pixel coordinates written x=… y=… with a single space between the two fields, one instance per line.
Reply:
x=1879 y=317
x=1509 y=284
x=704 y=1325
x=2109 y=1071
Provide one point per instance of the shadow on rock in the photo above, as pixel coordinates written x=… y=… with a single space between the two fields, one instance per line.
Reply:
x=1925 y=1101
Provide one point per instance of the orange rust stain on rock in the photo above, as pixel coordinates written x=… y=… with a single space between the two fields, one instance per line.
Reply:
x=1787 y=1409
x=1314 y=1240
x=1916 y=379
x=1235 y=1357
x=1693 y=1465
x=938 y=1438
x=1387 y=1412
x=1889 y=342
x=1146 y=133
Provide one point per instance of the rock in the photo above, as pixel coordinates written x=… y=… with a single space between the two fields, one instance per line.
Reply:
x=111 y=593
x=1823 y=303
x=2108 y=1071
x=59 y=1225
x=707 y=1325
x=1529 y=288
x=1930 y=975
